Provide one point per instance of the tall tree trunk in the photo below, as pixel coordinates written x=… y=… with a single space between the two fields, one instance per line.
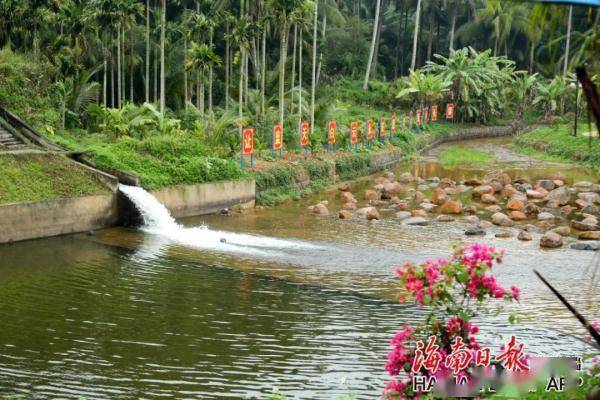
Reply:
x=227 y=61
x=185 y=74
x=314 y=70
x=163 y=17
x=241 y=90
x=123 y=66
x=246 y=77
x=156 y=57
x=263 y=75
x=321 y=52
x=131 y=71
x=378 y=40
x=400 y=6
x=210 y=77
x=104 y=83
x=201 y=94
x=430 y=35
x=453 y=12
x=112 y=82
x=300 y=80
x=282 y=58
x=416 y=35
x=373 y=40
x=404 y=36
x=531 y=57
x=147 y=82
x=293 y=67
x=569 y=23
x=118 y=67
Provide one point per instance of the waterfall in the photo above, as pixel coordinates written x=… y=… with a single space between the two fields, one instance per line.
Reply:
x=158 y=221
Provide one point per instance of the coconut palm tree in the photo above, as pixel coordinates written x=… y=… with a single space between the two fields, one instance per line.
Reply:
x=201 y=58
x=373 y=40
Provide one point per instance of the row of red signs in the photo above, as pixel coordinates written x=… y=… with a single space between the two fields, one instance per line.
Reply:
x=421 y=115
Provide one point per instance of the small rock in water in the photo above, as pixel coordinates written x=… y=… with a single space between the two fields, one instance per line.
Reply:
x=450 y=207
x=485 y=224
x=551 y=240
x=372 y=214
x=419 y=213
x=344 y=187
x=223 y=240
x=524 y=236
x=517 y=216
x=546 y=184
x=545 y=216
x=562 y=230
x=515 y=205
x=591 y=246
x=471 y=219
x=589 y=235
x=91 y=233
x=403 y=215
x=445 y=218
x=489 y=199
x=415 y=221
x=225 y=211
x=474 y=231
x=501 y=219
x=406 y=177
x=504 y=234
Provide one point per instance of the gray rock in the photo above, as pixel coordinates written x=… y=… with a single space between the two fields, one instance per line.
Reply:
x=546 y=184
x=591 y=246
x=524 y=236
x=403 y=215
x=471 y=219
x=551 y=240
x=420 y=221
x=561 y=194
x=545 y=216
x=474 y=231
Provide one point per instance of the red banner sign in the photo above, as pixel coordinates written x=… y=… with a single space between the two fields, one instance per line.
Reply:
x=248 y=141
x=304 y=131
x=354 y=132
x=450 y=111
x=331 y=132
x=382 y=127
x=426 y=117
x=394 y=122
x=419 y=111
x=434 y=112
x=370 y=130
x=277 y=137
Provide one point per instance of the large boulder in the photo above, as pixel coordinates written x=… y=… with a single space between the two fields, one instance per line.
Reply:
x=392 y=188
x=587 y=224
x=501 y=219
x=320 y=209
x=489 y=199
x=480 y=190
x=406 y=177
x=589 y=235
x=515 y=205
x=517 y=215
x=560 y=194
x=450 y=207
x=551 y=240
x=344 y=214
x=547 y=184
x=372 y=214
x=344 y=187
x=371 y=195
x=439 y=196
x=351 y=206
x=348 y=197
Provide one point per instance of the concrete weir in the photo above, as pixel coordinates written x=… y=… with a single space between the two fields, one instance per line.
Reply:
x=32 y=220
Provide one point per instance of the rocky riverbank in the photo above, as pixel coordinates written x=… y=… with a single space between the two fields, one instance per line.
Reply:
x=563 y=213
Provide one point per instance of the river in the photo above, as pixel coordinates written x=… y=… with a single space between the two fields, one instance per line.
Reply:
x=236 y=306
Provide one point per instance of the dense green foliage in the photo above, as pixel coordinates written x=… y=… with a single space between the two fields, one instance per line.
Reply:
x=558 y=141
x=43 y=177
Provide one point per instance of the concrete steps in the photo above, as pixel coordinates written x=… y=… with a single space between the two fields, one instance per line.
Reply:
x=8 y=141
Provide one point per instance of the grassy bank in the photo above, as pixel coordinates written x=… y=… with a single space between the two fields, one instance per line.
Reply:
x=35 y=177
x=558 y=143
x=457 y=155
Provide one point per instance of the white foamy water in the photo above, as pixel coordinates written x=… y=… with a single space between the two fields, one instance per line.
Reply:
x=158 y=221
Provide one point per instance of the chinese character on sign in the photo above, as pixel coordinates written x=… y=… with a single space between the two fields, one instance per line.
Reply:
x=512 y=356
x=277 y=137
x=304 y=130
x=419 y=111
x=428 y=358
x=434 y=112
x=394 y=122
x=426 y=118
x=248 y=141
x=460 y=357
x=450 y=111
x=482 y=357
x=331 y=131
x=354 y=132
x=382 y=127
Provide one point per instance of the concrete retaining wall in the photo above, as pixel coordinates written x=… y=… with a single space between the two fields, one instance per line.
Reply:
x=21 y=221
x=207 y=198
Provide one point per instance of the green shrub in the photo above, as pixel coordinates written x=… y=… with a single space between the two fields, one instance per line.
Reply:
x=352 y=166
